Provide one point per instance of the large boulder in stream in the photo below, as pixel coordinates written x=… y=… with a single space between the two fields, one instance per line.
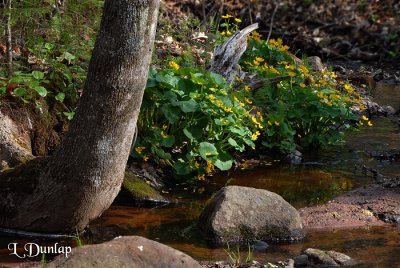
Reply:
x=241 y=214
x=127 y=251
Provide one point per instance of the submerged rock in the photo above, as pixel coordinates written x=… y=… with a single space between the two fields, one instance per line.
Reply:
x=128 y=251
x=241 y=214
x=330 y=258
x=136 y=190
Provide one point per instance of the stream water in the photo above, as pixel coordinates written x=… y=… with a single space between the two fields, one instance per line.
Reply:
x=319 y=178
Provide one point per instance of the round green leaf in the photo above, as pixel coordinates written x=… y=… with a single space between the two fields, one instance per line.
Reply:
x=41 y=91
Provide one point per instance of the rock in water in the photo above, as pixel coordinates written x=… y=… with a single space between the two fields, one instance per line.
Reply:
x=330 y=258
x=128 y=251
x=241 y=214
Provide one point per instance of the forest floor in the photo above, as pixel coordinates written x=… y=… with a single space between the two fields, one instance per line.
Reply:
x=350 y=33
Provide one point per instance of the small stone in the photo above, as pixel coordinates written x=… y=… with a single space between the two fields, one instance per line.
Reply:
x=301 y=260
x=290 y=263
x=259 y=246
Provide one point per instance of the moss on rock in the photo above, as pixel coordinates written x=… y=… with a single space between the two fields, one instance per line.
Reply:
x=140 y=191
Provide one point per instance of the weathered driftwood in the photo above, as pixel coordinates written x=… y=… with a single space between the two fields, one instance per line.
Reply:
x=226 y=56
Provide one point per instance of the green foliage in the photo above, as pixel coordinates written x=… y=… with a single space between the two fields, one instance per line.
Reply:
x=306 y=108
x=56 y=41
x=235 y=258
x=193 y=121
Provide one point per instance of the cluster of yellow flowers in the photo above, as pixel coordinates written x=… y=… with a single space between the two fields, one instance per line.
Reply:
x=369 y=123
x=139 y=149
x=255 y=135
x=255 y=36
x=174 y=65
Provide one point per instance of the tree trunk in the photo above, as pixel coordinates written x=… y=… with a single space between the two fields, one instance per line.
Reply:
x=81 y=179
x=9 y=40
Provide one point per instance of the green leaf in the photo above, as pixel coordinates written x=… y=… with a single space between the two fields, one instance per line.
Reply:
x=207 y=150
x=181 y=167
x=223 y=165
x=189 y=106
x=162 y=154
x=232 y=142
x=167 y=80
x=69 y=115
x=171 y=113
x=19 y=91
x=60 y=96
x=38 y=75
x=2 y=90
x=188 y=134
x=41 y=91
x=168 y=142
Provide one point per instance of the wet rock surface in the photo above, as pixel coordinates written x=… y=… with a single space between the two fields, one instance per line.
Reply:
x=128 y=251
x=320 y=258
x=137 y=191
x=240 y=214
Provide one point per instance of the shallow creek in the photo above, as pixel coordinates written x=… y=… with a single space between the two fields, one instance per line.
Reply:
x=318 y=179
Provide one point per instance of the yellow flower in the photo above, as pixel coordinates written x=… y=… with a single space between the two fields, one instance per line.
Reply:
x=255 y=135
x=247 y=88
x=370 y=123
x=139 y=149
x=223 y=33
x=276 y=123
x=274 y=70
x=238 y=20
x=362 y=107
x=291 y=67
x=197 y=165
x=145 y=158
x=227 y=16
x=201 y=177
x=164 y=126
x=269 y=123
x=164 y=135
x=255 y=36
x=174 y=65
x=302 y=85
x=284 y=48
x=260 y=116
x=349 y=88
x=259 y=59
x=210 y=167
x=248 y=101
x=228 y=110
x=228 y=32
x=361 y=123
x=211 y=97
x=291 y=74
x=364 y=118
x=333 y=75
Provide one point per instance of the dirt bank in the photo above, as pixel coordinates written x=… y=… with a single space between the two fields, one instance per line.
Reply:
x=370 y=205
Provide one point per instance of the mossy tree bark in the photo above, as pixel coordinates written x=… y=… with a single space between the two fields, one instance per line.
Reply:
x=80 y=180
